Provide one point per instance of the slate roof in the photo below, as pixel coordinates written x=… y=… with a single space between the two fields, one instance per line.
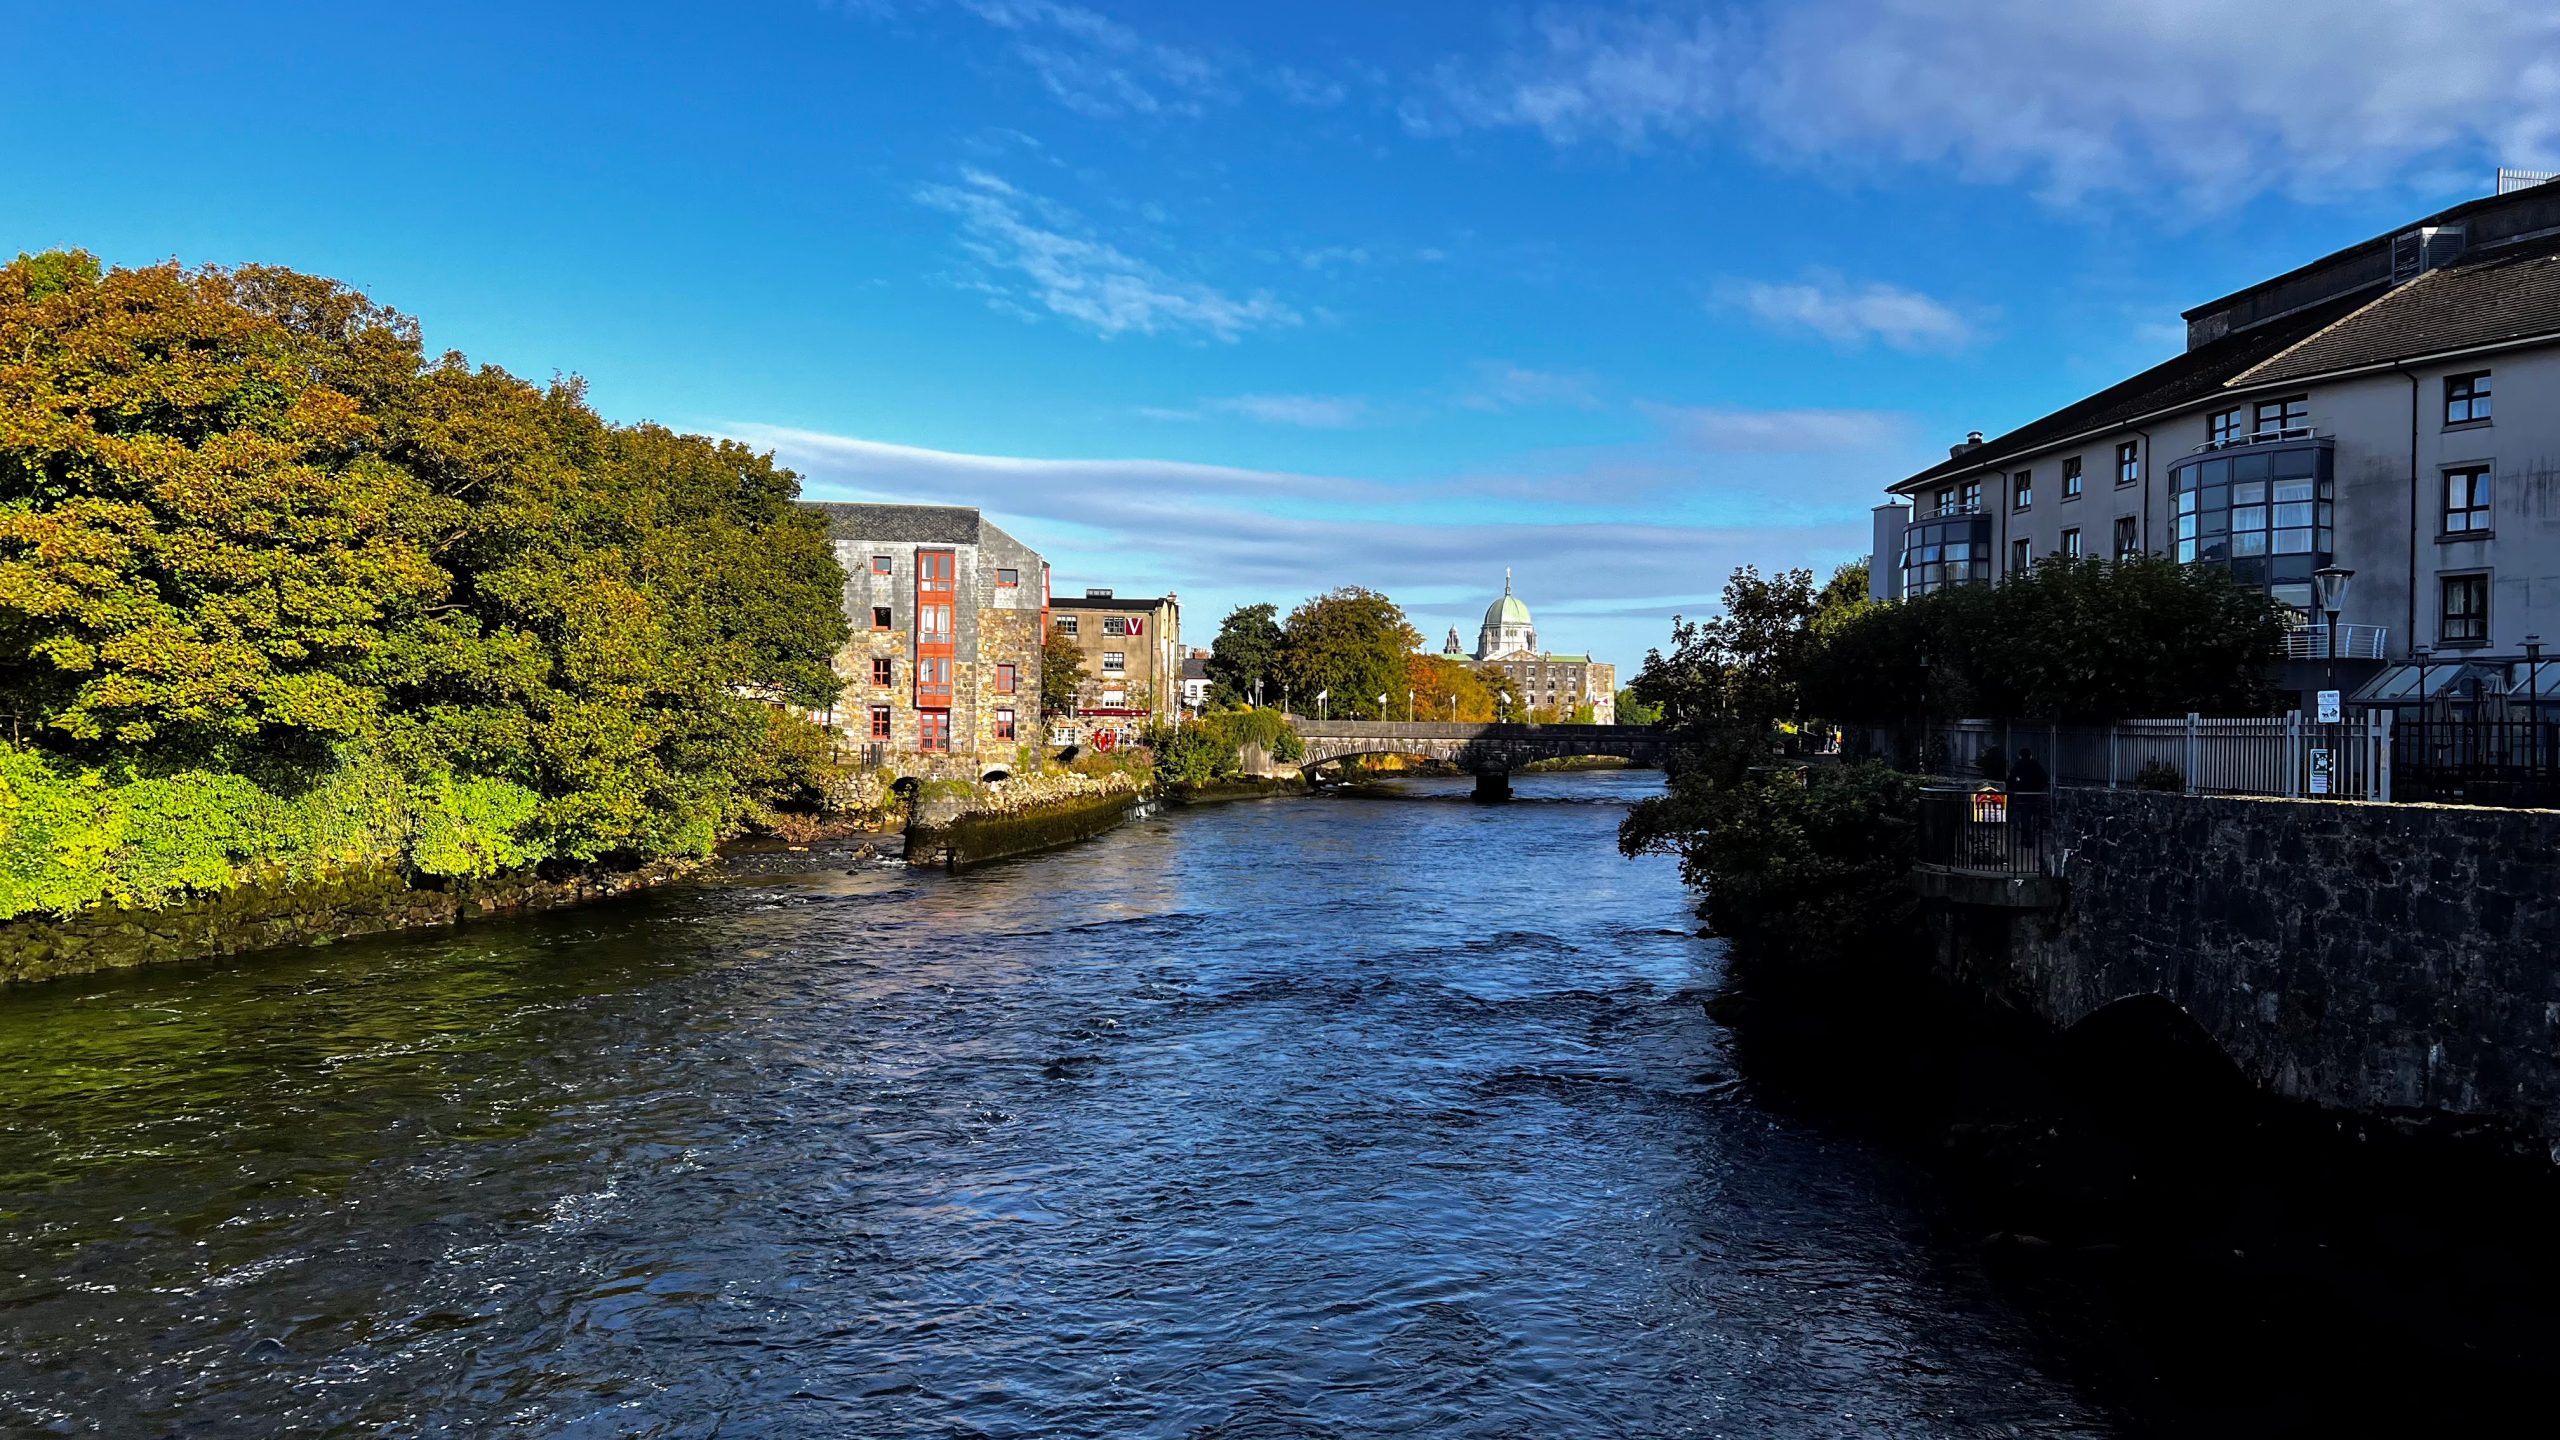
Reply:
x=916 y=524
x=2511 y=293
x=1108 y=602
x=2174 y=382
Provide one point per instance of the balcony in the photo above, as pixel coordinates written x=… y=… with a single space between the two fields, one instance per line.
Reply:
x=2355 y=642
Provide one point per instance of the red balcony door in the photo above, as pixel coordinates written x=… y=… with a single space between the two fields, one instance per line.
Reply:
x=937 y=633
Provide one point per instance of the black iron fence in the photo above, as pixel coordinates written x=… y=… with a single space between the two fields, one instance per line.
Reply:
x=1986 y=832
x=2459 y=755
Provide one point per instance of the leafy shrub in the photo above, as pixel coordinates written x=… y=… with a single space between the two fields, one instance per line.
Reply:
x=2159 y=775
x=1993 y=762
x=1811 y=867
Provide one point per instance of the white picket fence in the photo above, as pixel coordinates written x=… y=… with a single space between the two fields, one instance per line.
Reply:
x=2288 y=755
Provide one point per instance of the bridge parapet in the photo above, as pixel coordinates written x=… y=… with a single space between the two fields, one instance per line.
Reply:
x=1484 y=748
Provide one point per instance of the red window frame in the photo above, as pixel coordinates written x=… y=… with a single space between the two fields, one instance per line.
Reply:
x=933 y=731
x=882 y=618
x=879 y=564
x=1004 y=723
x=937 y=599
x=1007 y=679
x=879 y=722
x=883 y=671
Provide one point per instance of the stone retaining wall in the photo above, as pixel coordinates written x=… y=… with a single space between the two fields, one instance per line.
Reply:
x=2386 y=959
x=267 y=913
x=966 y=825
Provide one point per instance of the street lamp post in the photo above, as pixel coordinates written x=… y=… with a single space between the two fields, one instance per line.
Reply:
x=1408 y=707
x=2331 y=583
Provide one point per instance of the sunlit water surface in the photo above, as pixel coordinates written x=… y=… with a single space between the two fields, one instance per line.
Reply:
x=1291 y=1118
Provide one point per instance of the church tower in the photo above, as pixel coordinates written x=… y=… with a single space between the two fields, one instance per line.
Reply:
x=1507 y=628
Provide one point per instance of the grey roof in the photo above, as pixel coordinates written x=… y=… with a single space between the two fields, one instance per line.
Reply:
x=2174 y=382
x=919 y=524
x=2511 y=293
x=1194 y=668
x=1108 y=602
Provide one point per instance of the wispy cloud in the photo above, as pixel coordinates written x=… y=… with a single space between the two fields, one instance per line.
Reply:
x=2100 y=96
x=1729 y=431
x=1224 y=536
x=1035 y=258
x=1851 y=314
x=1501 y=385
x=1311 y=412
x=1096 y=66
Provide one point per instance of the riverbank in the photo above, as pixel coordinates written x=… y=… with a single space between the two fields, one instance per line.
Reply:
x=274 y=911
x=959 y=825
x=2234 y=1263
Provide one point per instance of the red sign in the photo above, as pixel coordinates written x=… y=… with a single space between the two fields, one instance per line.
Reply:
x=1104 y=740
x=1137 y=625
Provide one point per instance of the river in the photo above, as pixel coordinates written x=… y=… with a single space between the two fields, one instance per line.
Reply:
x=1312 y=1117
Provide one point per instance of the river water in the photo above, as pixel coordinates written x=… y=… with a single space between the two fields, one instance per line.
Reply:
x=1312 y=1117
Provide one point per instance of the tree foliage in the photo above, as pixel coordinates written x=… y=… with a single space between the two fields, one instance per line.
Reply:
x=1245 y=653
x=1061 y=671
x=250 y=539
x=1438 y=680
x=1353 y=643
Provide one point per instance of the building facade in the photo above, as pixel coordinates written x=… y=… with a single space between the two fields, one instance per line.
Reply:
x=1196 y=684
x=1132 y=659
x=2393 y=409
x=942 y=673
x=1507 y=654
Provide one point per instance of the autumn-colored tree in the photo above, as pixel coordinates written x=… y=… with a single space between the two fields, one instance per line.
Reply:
x=1438 y=680
x=246 y=531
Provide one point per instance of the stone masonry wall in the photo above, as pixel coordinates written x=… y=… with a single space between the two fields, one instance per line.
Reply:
x=2378 y=958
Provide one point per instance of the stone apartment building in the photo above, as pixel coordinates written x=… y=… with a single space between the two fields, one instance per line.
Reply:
x=942 y=673
x=1132 y=657
x=2392 y=408
x=1507 y=646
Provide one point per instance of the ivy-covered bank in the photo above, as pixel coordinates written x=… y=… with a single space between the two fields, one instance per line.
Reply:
x=284 y=601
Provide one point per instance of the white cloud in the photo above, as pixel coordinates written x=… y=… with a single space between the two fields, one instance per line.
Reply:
x=1325 y=257
x=1096 y=66
x=2212 y=100
x=1853 y=314
x=1312 y=412
x=1034 y=260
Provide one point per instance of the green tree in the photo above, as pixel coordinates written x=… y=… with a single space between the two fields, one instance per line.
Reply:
x=1245 y=653
x=1061 y=672
x=1351 y=642
x=1632 y=709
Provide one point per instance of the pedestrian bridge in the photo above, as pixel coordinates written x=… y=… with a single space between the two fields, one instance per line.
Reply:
x=1490 y=752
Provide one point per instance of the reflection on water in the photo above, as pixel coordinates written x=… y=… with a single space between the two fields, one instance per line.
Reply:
x=1306 y=1117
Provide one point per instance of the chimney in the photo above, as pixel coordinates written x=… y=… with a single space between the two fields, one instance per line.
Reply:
x=1972 y=441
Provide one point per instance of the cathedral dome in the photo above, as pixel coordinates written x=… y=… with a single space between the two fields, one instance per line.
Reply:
x=1506 y=611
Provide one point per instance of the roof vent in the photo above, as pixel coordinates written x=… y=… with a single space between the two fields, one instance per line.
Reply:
x=1097 y=594
x=2511 y=181
x=1972 y=441
x=2429 y=247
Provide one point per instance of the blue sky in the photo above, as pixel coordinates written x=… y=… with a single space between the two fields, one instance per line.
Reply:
x=1254 y=303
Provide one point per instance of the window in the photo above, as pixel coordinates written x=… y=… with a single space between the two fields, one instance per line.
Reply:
x=881 y=619
x=2071 y=478
x=2466 y=500
x=2128 y=537
x=1969 y=499
x=1115 y=625
x=933 y=679
x=933 y=624
x=933 y=731
x=2128 y=462
x=1008 y=579
x=879 y=564
x=1114 y=662
x=2464 y=620
x=2223 y=428
x=934 y=569
x=1066 y=625
x=1007 y=678
x=879 y=722
x=1004 y=724
x=2274 y=417
x=2266 y=513
x=1947 y=501
x=2071 y=544
x=882 y=672
x=2021 y=555
x=2466 y=399
x=2022 y=490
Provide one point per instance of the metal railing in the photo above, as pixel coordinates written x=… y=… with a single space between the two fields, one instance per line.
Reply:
x=2258 y=437
x=1987 y=831
x=2355 y=642
x=2465 y=756
x=2286 y=755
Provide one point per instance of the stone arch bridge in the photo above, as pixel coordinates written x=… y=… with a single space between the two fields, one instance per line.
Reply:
x=1490 y=752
